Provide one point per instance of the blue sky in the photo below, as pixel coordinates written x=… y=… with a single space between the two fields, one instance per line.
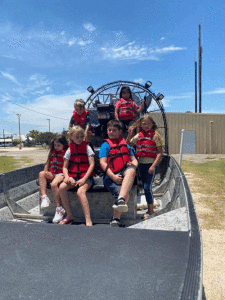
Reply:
x=51 y=51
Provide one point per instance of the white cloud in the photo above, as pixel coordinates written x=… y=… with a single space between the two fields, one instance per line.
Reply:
x=56 y=108
x=89 y=27
x=169 y=49
x=10 y=77
x=131 y=51
x=162 y=38
x=216 y=91
x=140 y=80
x=80 y=42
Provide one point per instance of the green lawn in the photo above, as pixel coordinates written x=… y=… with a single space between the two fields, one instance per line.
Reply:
x=209 y=179
x=8 y=163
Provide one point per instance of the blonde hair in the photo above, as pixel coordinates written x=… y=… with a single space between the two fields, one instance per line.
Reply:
x=147 y=117
x=79 y=102
x=75 y=130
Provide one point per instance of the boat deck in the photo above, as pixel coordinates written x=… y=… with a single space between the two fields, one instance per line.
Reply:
x=43 y=261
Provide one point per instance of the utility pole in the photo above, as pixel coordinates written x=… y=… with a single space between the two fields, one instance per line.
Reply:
x=49 y=131
x=48 y=124
x=20 y=147
x=200 y=69
x=196 y=97
x=4 y=137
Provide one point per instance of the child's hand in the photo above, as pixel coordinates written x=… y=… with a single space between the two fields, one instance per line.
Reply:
x=131 y=129
x=80 y=182
x=118 y=179
x=130 y=164
x=151 y=169
x=66 y=179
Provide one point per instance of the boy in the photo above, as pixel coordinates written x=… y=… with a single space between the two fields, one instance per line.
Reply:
x=119 y=163
x=81 y=118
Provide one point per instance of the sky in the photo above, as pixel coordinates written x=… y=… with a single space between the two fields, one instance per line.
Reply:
x=51 y=51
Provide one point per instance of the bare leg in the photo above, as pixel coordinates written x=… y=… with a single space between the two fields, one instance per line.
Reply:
x=150 y=211
x=55 y=189
x=63 y=188
x=127 y=184
x=44 y=176
x=81 y=194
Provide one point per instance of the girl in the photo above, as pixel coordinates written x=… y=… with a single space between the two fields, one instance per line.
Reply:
x=53 y=172
x=126 y=108
x=78 y=171
x=149 y=153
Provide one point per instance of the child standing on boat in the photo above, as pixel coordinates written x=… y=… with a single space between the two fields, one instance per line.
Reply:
x=78 y=171
x=119 y=163
x=126 y=109
x=81 y=118
x=149 y=153
x=53 y=173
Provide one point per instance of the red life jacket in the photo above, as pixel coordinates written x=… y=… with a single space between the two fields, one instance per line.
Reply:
x=80 y=120
x=78 y=164
x=118 y=156
x=56 y=161
x=126 y=110
x=146 y=147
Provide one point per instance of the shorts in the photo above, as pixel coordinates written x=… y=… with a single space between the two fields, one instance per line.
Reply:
x=112 y=186
x=90 y=180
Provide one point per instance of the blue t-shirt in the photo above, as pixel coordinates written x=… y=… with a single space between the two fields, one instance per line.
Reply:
x=104 y=150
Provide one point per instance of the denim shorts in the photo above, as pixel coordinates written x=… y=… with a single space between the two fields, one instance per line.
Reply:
x=112 y=186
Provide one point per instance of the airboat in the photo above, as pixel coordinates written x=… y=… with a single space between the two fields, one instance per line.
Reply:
x=158 y=258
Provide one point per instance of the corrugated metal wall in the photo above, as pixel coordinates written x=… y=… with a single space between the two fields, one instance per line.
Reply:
x=209 y=131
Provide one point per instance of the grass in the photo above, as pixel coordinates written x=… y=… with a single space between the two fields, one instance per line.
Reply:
x=209 y=178
x=9 y=163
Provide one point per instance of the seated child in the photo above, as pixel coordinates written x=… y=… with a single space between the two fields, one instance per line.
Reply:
x=78 y=171
x=119 y=163
x=126 y=108
x=81 y=118
x=53 y=172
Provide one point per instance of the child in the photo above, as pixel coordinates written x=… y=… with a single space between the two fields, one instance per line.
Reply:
x=126 y=108
x=81 y=117
x=53 y=172
x=149 y=152
x=119 y=163
x=78 y=171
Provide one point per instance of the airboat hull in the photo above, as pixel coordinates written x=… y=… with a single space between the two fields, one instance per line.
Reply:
x=143 y=261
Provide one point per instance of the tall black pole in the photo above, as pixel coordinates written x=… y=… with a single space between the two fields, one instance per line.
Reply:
x=200 y=69
x=4 y=137
x=196 y=98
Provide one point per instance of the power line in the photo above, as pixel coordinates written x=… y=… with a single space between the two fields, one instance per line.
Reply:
x=33 y=110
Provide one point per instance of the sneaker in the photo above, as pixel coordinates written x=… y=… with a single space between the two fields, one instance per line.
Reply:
x=115 y=222
x=45 y=201
x=59 y=214
x=120 y=205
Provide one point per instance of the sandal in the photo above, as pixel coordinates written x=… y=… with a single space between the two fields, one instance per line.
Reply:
x=66 y=222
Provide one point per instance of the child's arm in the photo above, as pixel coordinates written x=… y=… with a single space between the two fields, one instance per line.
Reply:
x=130 y=135
x=156 y=161
x=141 y=107
x=82 y=181
x=46 y=167
x=70 y=123
x=116 y=114
x=86 y=131
x=116 y=178
x=65 y=171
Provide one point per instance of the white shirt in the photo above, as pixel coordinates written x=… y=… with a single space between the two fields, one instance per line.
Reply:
x=90 y=152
